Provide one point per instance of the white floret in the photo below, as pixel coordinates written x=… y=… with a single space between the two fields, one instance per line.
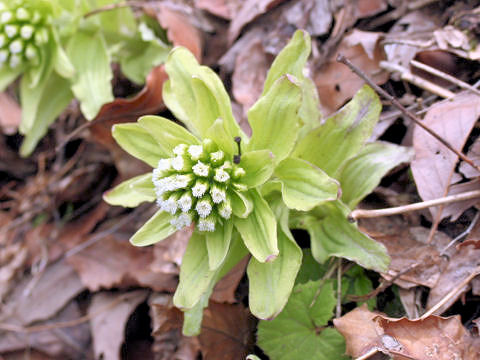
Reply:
x=5 y=17
x=218 y=195
x=206 y=225
x=180 y=149
x=195 y=151
x=15 y=60
x=170 y=205
x=201 y=169
x=26 y=32
x=3 y=56
x=181 y=220
x=178 y=163
x=204 y=208
x=22 y=14
x=199 y=189
x=221 y=175
x=16 y=47
x=185 y=202
x=225 y=211
x=11 y=30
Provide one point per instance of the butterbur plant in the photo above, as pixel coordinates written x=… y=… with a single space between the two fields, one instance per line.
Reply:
x=61 y=54
x=243 y=194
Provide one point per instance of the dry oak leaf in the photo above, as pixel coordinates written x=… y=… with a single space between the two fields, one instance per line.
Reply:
x=431 y=338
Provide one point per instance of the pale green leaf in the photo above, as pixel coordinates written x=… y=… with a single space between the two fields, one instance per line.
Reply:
x=61 y=63
x=192 y=318
x=252 y=357
x=54 y=96
x=309 y=111
x=331 y=234
x=305 y=186
x=291 y=60
x=156 y=229
x=8 y=75
x=343 y=134
x=242 y=204
x=92 y=81
x=222 y=138
x=270 y=283
x=258 y=166
x=218 y=243
x=196 y=95
x=362 y=173
x=138 y=142
x=274 y=118
x=297 y=334
x=259 y=229
x=142 y=57
x=132 y=192
x=167 y=133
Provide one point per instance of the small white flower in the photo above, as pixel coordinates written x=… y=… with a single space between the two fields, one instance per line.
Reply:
x=177 y=163
x=164 y=164
x=204 y=208
x=221 y=175
x=5 y=17
x=182 y=181
x=30 y=52
x=15 y=60
x=41 y=36
x=225 y=211
x=180 y=149
x=206 y=225
x=182 y=220
x=199 y=189
x=11 y=30
x=22 y=14
x=218 y=195
x=26 y=31
x=217 y=156
x=185 y=202
x=195 y=151
x=170 y=205
x=16 y=47
x=3 y=56
x=201 y=169
x=238 y=172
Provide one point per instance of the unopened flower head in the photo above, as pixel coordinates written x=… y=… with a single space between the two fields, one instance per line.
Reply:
x=195 y=185
x=23 y=31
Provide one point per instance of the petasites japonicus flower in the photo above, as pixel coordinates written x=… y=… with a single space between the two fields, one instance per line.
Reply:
x=235 y=190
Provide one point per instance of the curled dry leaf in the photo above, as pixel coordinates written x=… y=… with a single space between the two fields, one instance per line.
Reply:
x=114 y=262
x=336 y=83
x=224 y=291
x=226 y=332
x=167 y=322
x=226 y=9
x=109 y=313
x=462 y=263
x=431 y=338
x=408 y=248
x=56 y=342
x=434 y=164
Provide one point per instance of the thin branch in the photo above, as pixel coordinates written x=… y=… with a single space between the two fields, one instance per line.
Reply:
x=463 y=234
x=451 y=294
x=368 y=354
x=361 y=213
x=341 y=58
x=444 y=76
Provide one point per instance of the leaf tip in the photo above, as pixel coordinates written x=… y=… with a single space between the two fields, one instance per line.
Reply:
x=271 y=258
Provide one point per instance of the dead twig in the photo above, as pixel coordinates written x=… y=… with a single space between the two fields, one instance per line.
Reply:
x=342 y=59
x=361 y=213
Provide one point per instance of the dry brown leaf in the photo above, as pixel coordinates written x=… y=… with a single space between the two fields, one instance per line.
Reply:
x=407 y=247
x=249 y=11
x=462 y=263
x=12 y=261
x=59 y=342
x=454 y=210
x=432 y=338
x=32 y=299
x=224 y=291
x=223 y=8
x=109 y=313
x=168 y=253
x=10 y=114
x=336 y=83
x=251 y=68
x=366 y=8
x=434 y=163
x=167 y=324
x=114 y=262
x=226 y=332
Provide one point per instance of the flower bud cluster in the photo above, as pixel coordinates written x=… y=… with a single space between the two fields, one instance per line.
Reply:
x=23 y=30
x=194 y=185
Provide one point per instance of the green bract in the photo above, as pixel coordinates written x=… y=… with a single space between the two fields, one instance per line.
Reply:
x=60 y=54
x=243 y=194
